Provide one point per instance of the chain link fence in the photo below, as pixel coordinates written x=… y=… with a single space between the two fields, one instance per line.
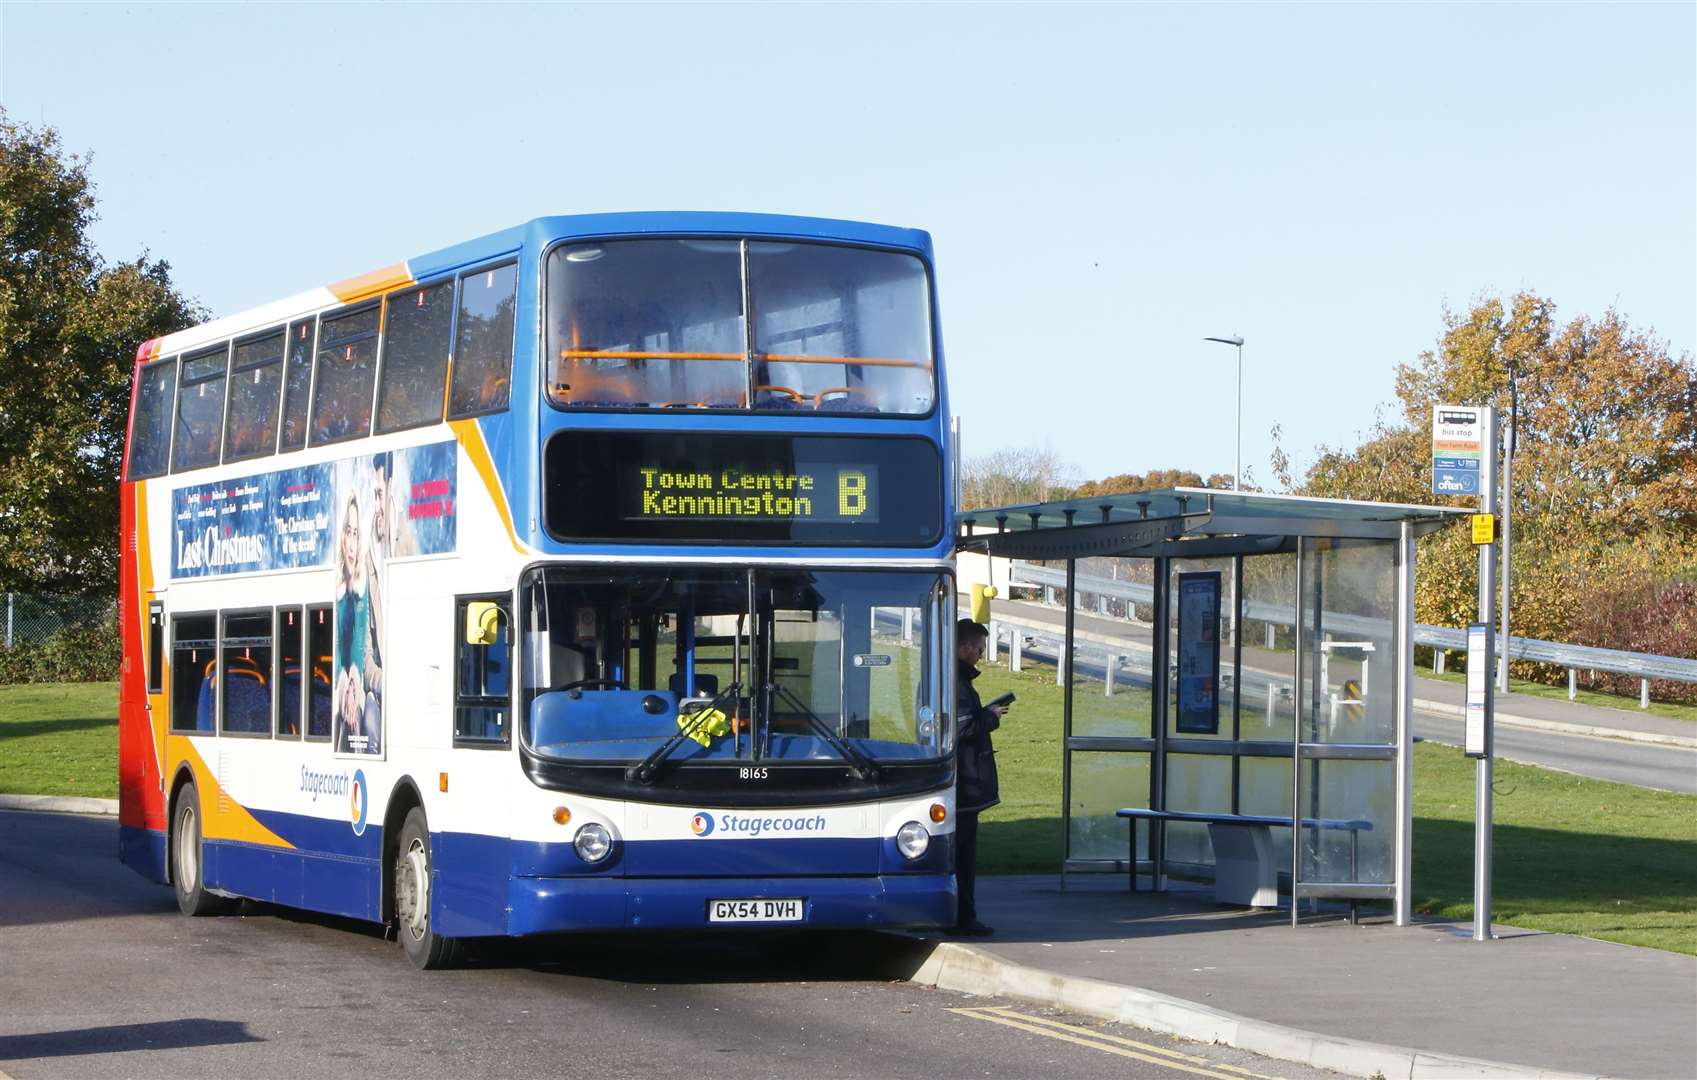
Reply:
x=58 y=638
x=32 y=618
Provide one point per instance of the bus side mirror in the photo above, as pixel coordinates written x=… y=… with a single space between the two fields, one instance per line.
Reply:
x=981 y=597
x=482 y=623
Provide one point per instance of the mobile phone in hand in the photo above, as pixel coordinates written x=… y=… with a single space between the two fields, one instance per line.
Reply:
x=1005 y=699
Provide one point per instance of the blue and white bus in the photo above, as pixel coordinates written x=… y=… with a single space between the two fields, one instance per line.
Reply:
x=594 y=574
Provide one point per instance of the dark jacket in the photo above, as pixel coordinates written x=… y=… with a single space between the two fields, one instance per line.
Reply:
x=976 y=786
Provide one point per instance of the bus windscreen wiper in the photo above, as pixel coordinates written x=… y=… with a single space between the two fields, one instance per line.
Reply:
x=652 y=765
x=864 y=767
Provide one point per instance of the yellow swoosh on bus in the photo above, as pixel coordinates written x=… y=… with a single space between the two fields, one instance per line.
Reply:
x=371 y=283
x=470 y=437
x=222 y=818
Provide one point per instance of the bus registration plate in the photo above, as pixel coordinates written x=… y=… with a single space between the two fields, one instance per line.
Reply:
x=753 y=911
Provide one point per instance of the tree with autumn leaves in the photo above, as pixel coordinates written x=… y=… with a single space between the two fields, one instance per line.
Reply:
x=1605 y=475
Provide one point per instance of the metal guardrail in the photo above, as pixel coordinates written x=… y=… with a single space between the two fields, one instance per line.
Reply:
x=1644 y=666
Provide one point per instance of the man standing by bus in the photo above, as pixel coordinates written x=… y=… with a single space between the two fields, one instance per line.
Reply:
x=976 y=787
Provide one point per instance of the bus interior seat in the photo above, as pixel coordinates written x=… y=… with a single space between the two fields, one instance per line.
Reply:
x=706 y=684
x=289 y=690
x=843 y=399
x=565 y=665
x=781 y=398
x=247 y=707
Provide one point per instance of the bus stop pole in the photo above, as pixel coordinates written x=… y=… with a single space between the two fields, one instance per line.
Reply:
x=1483 y=770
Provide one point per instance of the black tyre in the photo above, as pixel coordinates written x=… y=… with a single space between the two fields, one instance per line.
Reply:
x=187 y=864
x=411 y=875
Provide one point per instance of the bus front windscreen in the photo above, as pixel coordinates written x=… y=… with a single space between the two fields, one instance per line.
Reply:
x=660 y=323
x=680 y=668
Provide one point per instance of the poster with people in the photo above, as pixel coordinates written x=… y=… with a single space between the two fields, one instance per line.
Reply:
x=391 y=505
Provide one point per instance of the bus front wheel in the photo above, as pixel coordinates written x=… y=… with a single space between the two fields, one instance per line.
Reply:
x=188 y=867
x=427 y=949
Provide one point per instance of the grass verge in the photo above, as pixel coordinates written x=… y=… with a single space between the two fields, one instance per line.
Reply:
x=59 y=739
x=1572 y=855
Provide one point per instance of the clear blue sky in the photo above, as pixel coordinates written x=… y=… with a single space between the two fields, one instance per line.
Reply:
x=1106 y=184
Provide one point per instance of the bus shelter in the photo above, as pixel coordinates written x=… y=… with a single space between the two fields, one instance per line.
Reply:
x=1285 y=625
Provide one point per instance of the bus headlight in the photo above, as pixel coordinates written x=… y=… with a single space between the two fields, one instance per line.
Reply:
x=912 y=839
x=592 y=843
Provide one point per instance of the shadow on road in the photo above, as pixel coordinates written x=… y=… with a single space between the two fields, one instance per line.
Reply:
x=163 y=1035
x=754 y=957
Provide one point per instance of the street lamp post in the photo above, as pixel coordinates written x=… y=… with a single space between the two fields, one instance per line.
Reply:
x=1237 y=476
x=1237 y=452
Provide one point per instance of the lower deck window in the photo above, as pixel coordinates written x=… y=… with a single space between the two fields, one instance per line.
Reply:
x=483 y=671
x=194 y=668
x=245 y=673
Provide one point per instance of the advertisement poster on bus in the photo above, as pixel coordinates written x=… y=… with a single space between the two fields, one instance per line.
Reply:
x=1199 y=653
x=284 y=520
x=353 y=515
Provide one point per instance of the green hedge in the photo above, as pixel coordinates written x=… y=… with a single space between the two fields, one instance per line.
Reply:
x=69 y=654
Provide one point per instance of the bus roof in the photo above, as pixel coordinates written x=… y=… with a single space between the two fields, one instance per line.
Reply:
x=540 y=231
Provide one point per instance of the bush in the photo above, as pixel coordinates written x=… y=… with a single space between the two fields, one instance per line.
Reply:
x=70 y=654
x=1643 y=615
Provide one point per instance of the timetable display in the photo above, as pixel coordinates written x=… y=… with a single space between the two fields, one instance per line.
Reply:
x=671 y=487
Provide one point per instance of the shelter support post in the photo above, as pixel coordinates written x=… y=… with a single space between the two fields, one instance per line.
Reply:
x=1160 y=672
x=1404 y=842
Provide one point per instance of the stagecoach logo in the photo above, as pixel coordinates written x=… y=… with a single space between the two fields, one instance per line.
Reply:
x=704 y=824
x=357 y=803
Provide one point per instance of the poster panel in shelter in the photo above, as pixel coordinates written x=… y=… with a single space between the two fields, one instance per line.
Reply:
x=1199 y=653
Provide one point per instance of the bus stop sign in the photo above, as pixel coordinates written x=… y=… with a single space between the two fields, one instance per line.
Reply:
x=1458 y=437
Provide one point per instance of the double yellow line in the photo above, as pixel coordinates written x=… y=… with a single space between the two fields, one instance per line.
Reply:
x=1110 y=1044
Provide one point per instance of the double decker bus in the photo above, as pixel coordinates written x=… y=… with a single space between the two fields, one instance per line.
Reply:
x=590 y=575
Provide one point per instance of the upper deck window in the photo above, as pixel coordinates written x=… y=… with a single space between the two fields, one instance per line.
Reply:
x=648 y=324
x=347 y=371
x=415 y=357
x=256 y=373
x=200 y=409
x=297 y=383
x=483 y=349
x=150 y=432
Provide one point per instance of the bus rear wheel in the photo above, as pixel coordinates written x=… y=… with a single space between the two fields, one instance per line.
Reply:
x=188 y=866
x=427 y=949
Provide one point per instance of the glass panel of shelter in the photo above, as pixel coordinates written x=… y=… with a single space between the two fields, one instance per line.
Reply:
x=1349 y=695
x=1347 y=686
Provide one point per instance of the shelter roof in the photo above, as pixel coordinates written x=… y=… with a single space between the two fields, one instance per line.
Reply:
x=1187 y=521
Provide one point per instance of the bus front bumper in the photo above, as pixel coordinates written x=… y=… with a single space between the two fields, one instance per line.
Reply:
x=888 y=901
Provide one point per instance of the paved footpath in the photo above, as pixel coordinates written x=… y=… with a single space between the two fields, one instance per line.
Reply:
x=1418 y=1001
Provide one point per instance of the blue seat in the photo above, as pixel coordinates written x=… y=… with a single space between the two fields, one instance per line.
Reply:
x=289 y=705
x=247 y=702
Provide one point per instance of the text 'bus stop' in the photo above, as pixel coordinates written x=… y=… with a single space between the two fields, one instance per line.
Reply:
x=1286 y=624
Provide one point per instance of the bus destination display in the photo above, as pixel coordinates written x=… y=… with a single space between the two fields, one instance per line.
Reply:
x=742 y=488
x=824 y=493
